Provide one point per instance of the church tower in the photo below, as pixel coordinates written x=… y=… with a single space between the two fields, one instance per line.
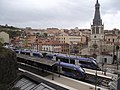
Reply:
x=97 y=31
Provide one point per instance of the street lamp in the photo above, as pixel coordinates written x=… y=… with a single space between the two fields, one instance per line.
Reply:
x=117 y=49
x=95 y=46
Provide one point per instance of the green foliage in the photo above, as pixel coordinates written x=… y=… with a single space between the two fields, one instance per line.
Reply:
x=0 y=44
x=8 y=66
x=12 y=32
x=3 y=87
x=1 y=40
x=45 y=35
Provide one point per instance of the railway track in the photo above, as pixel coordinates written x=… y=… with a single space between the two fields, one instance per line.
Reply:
x=99 y=81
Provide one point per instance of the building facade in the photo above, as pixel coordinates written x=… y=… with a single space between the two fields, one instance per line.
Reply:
x=70 y=39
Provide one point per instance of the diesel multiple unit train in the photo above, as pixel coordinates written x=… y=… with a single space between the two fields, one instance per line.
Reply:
x=30 y=53
x=66 y=65
x=71 y=59
x=71 y=70
x=83 y=62
x=66 y=69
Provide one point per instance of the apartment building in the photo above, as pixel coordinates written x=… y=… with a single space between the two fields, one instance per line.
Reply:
x=70 y=39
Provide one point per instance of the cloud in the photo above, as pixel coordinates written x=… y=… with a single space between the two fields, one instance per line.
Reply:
x=111 y=20
x=54 y=13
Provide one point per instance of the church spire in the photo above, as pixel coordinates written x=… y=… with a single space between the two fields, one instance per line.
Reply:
x=97 y=19
x=97 y=1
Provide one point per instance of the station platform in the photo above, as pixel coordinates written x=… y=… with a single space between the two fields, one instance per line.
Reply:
x=100 y=73
x=66 y=82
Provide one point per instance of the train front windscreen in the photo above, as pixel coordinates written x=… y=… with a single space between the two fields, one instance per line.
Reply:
x=81 y=69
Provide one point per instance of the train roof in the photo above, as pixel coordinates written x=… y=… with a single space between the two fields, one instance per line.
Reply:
x=74 y=57
x=25 y=51
x=51 y=54
x=86 y=59
x=36 y=52
x=62 y=55
x=17 y=50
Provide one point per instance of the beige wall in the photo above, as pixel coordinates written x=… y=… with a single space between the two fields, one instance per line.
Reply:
x=5 y=37
x=54 y=48
x=70 y=39
x=111 y=38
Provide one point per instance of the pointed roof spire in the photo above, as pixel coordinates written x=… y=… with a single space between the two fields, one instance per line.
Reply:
x=97 y=4
x=97 y=19
x=97 y=1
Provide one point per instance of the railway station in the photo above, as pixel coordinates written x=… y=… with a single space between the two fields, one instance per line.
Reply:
x=64 y=82
x=51 y=76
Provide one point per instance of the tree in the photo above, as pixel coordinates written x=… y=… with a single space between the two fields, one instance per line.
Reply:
x=1 y=40
x=8 y=68
x=45 y=35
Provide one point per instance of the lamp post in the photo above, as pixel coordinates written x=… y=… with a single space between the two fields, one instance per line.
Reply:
x=95 y=46
x=118 y=82
x=117 y=49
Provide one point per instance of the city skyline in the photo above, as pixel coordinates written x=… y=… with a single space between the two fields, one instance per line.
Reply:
x=58 y=13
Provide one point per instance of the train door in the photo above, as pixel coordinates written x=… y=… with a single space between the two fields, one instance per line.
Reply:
x=72 y=61
x=31 y=54
x=54 y=58
x=77 y=62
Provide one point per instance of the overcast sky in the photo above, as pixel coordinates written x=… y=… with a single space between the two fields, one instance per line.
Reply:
x=58 y=13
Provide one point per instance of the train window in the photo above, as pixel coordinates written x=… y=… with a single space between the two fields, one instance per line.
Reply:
x=83 y=62
x=94 y=62
x=68 y=69
x=81 y=69
x=22 y=52
x=35 y=54
x=64 y=60
x=72 y=61
x=17 y=51
x=27 y=53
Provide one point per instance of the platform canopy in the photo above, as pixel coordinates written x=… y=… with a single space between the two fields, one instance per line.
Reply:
x=37 y=59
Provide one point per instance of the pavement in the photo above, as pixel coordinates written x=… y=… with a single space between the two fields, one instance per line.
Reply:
x=111 y=68
x=78 y=85
x=62 y=80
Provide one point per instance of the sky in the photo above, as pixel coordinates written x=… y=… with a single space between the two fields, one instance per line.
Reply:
x=58 y=13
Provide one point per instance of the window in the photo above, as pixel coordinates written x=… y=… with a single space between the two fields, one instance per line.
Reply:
x=93 y=30
x=113 y=40
x=94 y=36
x=97 y=30
x=105 y=60
x=102 y=30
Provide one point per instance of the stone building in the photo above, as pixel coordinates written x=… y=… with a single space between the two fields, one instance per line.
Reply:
x=97 y=33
